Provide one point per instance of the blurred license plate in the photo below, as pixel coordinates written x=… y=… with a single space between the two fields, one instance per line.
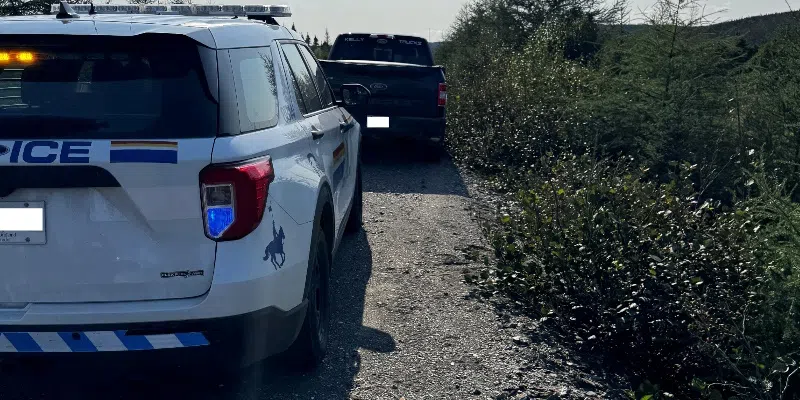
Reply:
x=377 y=122
x=22 y=223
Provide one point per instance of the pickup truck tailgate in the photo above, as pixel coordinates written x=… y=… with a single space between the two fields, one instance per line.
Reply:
x=397 y=89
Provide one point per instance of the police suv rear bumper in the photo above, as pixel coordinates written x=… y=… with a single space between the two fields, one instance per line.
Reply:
x=248 y=337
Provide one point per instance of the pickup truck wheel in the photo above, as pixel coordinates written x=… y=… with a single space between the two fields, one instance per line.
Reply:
x=432 y=153
x=308 y=350
x=356 y=218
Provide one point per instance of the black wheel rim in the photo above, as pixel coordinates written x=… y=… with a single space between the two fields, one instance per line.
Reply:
x=360 y=197
x=360 y=194
x=320 y=304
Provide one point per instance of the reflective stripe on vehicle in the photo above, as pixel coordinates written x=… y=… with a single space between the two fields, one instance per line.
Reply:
x=72 y=342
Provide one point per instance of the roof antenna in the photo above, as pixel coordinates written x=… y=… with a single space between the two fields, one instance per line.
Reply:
x=92 y=11
x=66 y=12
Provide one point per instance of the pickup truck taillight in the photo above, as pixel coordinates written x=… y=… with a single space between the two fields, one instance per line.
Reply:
x=442 y=94
x=234 y=198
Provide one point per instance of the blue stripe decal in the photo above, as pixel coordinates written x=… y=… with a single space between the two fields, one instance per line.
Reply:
x=338 y=174
x=144 y=156
x=134 y=342
x=192 y=339
x=82 y=344
x=92 y=342
x=23 y=342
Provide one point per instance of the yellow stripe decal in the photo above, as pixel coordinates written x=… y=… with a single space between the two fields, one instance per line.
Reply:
x=338 y=153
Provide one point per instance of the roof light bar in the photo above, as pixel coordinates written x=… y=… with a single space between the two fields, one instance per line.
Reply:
x=184 y=9
x=78 y=8
x=154 y=9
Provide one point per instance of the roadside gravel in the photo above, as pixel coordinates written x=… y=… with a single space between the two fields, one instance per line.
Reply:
x=406 y=325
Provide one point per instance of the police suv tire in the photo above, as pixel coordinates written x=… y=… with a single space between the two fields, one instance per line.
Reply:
x=356 y=218
x=311 y=344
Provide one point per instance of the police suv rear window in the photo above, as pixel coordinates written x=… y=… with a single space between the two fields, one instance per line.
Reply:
x=102 y=87
x=387 y=49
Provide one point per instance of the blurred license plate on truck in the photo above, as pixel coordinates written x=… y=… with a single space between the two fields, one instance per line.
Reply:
x=22 y=223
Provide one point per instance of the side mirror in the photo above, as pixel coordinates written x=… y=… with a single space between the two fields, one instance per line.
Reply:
x=354 y=95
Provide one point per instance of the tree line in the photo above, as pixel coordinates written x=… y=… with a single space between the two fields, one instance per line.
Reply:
x=322 y=48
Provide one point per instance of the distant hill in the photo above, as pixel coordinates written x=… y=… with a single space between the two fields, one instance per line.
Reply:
x=434 y=46
x=759 y=29
x=755 y=30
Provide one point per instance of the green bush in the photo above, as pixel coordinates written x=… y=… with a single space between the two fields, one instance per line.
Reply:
x=664 y=95
x=634 y=223
x=524 y=108
x=769 y=89
x=644 y=271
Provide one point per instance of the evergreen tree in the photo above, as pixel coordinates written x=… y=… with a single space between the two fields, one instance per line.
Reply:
x=316 y=42
x=325 y=47
x=308 y=39
x=293 y=28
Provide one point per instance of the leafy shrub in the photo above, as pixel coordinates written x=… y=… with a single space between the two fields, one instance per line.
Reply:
x=523 y=109
x=516 y=75
x=640 y=269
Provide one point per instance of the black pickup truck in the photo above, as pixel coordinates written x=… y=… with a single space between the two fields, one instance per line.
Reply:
x=408 y=93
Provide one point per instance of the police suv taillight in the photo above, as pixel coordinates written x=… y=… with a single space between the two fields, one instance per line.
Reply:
x=442 y=94
x=234 y=197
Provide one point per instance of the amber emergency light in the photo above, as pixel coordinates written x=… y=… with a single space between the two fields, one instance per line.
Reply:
x=24 y=57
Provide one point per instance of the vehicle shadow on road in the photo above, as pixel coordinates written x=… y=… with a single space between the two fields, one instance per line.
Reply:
x=335 y=378
x=188 y=378
x=400 y=167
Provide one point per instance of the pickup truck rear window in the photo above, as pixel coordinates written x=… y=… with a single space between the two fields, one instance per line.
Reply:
x=103 y=88
x=400 y=50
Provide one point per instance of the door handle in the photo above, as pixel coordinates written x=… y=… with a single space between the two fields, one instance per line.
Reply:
x=316 y=133
x=347 y=123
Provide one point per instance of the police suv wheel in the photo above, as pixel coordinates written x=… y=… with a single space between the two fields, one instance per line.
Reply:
x=311 y=344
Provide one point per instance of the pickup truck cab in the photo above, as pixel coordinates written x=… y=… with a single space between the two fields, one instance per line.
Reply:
x=171 y=177
x=408 y=92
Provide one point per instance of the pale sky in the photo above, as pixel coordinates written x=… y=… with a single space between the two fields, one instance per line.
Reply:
x=431 y=18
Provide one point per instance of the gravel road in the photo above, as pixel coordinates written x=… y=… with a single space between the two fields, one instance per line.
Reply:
x=405 y=324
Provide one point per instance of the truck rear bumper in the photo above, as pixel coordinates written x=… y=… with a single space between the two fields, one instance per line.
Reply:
x=424 y=129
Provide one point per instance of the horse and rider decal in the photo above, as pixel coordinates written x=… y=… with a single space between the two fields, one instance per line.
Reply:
x=274 y=249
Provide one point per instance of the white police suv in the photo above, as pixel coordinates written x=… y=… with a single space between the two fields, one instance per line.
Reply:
x=170 y=177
